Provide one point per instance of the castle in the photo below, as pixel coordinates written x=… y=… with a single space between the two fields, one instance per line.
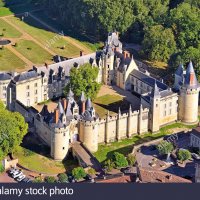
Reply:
x=75 y=121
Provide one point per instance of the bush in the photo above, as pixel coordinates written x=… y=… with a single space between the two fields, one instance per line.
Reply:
x=78 y=173
x=50 y=179
x=38 y=180
x=63 y=178
x=28 y=152
x=131 y=159
x=91 y=171
x=119 y=160
x=109 y=165
x=184 y=155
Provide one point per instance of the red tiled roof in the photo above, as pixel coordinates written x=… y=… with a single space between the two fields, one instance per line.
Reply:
x=122 y=179
x=148 y=175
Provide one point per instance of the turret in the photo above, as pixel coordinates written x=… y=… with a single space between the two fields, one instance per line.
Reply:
x=189 y=97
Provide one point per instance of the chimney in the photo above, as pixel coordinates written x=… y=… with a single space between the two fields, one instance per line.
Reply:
x=56 y=115
x=83 y=107
x=126 y=54
x=64 y=104
x=81 y=53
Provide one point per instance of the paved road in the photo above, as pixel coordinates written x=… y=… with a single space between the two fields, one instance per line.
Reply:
x=4 y=178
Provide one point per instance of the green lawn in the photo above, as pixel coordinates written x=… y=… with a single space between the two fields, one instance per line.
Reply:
x=33 y=52
x=50 y=40
x=8 y=31
x=39 y=163
x=126 y=146
x=110 y=102
x=9 y=61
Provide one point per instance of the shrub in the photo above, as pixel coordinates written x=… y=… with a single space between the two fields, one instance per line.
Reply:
x=131 y=159
x=1 y=168
x=119 y=160
x=78 y=173
x=63 y=178
x=50 y=179
x=38 y=180
x=91 y=171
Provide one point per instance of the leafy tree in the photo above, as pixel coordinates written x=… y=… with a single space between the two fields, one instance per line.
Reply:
x=50 y=179
x=12 y=130
x=109 y=165
x=131 y=159
x=184 y=155
x=91 y=171
x=119 y=160
x=159 y=43
x=78 y=173
x=84 y=79
x=185 y=22
x=165 y=148
x=63 y=178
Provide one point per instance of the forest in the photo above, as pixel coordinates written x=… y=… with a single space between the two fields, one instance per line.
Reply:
x=168 y=30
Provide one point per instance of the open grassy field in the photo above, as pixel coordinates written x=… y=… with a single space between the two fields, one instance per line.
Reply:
x=49 y=39
x=7 y=31
x=126 y=146
x=33 y=52
x=110 y=102
x=39 y=163
x=9 y=61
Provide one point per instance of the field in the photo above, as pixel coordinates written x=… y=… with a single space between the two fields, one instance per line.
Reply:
x=35 y=37
x=10 y=61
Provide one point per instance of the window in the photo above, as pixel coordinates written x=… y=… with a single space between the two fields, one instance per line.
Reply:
x=35 y=85
x=63 y=148
x=27 y=87
x=45 y=80
x=36 y=91
x=165 y=106
x=4 y=95
x=36 y=100
x=4 y=88
x=170 y=111
x=170 y=104
x=28 y=94
x=165 y=113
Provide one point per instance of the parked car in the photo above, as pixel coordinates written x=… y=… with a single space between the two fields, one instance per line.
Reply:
x=20 y=178
x=12 y=170
x=16 y=172
x=195 y=156
x=17 y=175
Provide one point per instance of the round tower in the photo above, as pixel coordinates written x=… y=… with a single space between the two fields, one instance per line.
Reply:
x=189 y=97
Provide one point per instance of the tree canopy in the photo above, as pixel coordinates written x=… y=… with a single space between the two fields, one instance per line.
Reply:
x=119 y=160
x=164 y=27
x=183 y=155
x=12 y=130
x=78 y=173
x=83 y=79
x=165 y=148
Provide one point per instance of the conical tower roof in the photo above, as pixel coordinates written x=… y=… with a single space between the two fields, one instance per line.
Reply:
x=155 y=92
x=190 y=78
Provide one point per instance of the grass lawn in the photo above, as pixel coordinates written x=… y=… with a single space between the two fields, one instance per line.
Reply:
x=33 y=52
x=126 y=146
x=110 y=102
x=8 y=31
x=9 y=61
x=49 y=39
x=39 y=163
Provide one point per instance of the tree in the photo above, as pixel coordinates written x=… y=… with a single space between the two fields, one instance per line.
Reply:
x=1 y=168
x=91 y=171
x=131 y=159
x=83 y=79
x=165 y=148
x=185 y=23
x=63 y=178
x=109 y=165
x=119 y=160
x=50 y=179
x=12 y=130
x=158 y=43
x=78 y=173
x=184 y=155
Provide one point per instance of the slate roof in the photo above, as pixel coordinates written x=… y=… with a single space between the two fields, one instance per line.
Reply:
x=180 y=70
x=5 y=76
x=25 y=76
x=148 y=80
x=66 y=65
